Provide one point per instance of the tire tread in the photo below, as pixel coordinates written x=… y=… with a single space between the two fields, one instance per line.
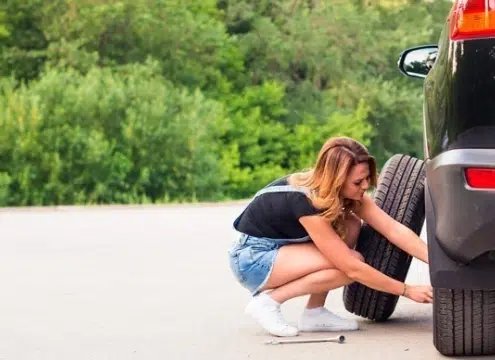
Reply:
x=464 y=322
x=400 y=193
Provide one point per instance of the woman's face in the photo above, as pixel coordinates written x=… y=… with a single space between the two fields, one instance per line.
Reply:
x=357 y=182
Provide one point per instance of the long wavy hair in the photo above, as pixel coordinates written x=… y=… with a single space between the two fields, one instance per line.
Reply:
x=325 y=180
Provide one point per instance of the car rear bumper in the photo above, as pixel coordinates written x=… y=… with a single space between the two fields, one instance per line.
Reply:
x=460 y=221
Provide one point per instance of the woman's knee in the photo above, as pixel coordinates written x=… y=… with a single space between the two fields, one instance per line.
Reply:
x=331 y=276
x=336 y=276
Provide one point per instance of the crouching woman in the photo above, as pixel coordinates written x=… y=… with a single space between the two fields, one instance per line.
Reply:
x=298 y=236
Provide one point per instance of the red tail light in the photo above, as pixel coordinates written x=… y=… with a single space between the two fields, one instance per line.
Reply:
x=472 y=19
x=481 y=178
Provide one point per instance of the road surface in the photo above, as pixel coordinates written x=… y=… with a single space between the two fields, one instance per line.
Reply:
x=153 y=283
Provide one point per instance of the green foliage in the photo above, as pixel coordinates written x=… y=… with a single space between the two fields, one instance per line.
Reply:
x=22 y=51
x=3 y=30
x=261 y=146
x=188 y=38
x=307 y=138
x=120 y=101
x=255 y=138
x=394 y=114
x=123 y=136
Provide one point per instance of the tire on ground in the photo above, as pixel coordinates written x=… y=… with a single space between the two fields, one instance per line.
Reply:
x=400 y=193
x=464 y=322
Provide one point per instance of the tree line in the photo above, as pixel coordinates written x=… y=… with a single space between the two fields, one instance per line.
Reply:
x=141 y=101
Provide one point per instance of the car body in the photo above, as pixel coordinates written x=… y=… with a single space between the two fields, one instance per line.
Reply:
x=459 y=147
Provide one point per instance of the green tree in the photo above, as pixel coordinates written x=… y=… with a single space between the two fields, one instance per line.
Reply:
x=146 y=101
x=22 y=52
x=110 y=136
x=3 y=29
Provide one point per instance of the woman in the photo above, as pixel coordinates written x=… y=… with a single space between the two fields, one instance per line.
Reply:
x=298 y=235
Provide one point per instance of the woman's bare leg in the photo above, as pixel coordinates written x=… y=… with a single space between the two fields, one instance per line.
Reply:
x=301 y=269
x=316 y=300
x=353 y=225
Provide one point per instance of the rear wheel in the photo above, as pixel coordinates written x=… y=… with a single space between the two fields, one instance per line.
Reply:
x=464 y=322
x=400 y=193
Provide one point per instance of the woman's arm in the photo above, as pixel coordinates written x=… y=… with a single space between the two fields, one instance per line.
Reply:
x=337 y=252
x=397 y=233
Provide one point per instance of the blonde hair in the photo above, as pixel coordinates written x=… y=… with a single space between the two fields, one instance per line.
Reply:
x=324 y=181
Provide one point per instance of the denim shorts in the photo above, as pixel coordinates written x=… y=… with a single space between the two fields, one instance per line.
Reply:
x=252 y=259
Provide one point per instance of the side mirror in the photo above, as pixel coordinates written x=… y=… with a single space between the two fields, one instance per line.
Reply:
x=418 y=61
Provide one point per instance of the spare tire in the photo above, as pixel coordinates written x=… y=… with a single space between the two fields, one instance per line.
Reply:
x=400 y=193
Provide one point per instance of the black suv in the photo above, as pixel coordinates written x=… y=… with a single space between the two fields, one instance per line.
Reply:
x=453 y=188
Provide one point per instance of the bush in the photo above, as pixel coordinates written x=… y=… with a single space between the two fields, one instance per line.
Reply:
x=110 y=136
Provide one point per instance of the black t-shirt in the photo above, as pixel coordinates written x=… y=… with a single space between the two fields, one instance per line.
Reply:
x=276 y=214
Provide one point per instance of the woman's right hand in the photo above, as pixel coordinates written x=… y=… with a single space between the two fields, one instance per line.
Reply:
x=420 y=294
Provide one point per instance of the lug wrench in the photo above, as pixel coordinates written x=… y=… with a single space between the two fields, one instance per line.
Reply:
x=340 y=339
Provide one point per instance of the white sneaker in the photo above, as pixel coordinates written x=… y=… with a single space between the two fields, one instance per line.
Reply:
x=320 y=319
x=267 y=313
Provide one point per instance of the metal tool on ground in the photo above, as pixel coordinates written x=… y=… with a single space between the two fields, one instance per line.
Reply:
x=339 y=339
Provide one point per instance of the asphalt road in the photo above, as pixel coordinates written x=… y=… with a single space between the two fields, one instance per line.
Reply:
x=153 y=283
